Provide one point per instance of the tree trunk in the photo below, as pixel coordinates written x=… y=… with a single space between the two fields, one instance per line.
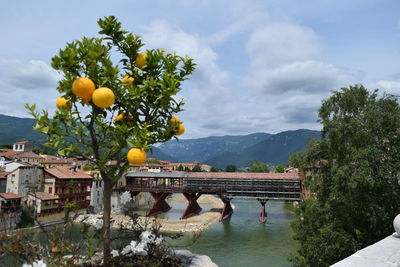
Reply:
x=108 y=184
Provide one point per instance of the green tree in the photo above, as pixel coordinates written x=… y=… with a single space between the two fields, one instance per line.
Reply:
x=215 y=169
x=258 y=166
x=231 y=168
x=27 y=217
x=197 y=168
x=154 y=161
x=145 y=98
x=280 y=168
x=352 y=173
x=180 y=168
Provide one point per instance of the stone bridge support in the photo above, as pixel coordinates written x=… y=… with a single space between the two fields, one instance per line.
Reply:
x=227 y=210
x=263 y=214
x=193 y=207
x=160 y=205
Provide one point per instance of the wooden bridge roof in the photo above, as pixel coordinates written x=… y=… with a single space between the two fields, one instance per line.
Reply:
x=215 y=175
x=158 y=174
x=243 y=175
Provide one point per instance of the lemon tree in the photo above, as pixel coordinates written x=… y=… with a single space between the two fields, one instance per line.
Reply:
x=116 y=106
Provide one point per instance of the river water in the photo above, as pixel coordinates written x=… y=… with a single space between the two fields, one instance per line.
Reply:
x=238 y=241
x=243 y=240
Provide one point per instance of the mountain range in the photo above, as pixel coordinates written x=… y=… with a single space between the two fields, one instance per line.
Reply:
x=219 y=151
x=241 y=150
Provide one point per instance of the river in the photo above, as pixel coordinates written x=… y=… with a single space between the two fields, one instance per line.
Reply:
x=240 y=240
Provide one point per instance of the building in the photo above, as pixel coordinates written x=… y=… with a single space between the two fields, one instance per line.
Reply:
x=3 y=180
x=291 y=170
x=68 y=183
x=154 y=167
x=22 y=152
x=50 y=162
x=24 y=179
x=189 y=166
x=96 y=196
x=12 y=165
x=10 y=202
x=10 y=211
x=44 y=203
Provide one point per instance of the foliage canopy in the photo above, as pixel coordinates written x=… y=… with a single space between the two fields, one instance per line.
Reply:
x=145 y=93
x=258 y=166
x=352 y=173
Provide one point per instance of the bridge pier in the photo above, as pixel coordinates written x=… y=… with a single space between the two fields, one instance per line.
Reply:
x=227 y=210
x=160 y=205
x=263 y=214
x=193 y=207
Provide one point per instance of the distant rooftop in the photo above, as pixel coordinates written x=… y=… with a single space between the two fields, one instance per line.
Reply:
x=22 y=142
x=9 y=195
x=67 y=172
x=43 y=195
x=215 y=175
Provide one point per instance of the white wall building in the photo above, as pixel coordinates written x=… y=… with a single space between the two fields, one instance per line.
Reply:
x=96 y=196
x=19 y=180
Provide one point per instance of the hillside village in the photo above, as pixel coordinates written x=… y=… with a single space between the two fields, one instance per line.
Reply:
x=47 y=183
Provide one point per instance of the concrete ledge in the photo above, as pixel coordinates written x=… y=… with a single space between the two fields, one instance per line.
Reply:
x=383 y=253
x=190 y=259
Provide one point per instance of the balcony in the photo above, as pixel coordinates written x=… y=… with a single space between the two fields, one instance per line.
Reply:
x=73 y=195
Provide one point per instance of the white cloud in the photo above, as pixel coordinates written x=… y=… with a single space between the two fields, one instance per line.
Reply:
x=209 y=101
x=391 y=87
x=31 y=82
x=25 y=75
x=281 y=43
x=285 y=73
x=307 y=76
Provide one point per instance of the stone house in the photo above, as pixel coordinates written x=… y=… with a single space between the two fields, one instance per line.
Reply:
x=44 y=203
x=24 y=179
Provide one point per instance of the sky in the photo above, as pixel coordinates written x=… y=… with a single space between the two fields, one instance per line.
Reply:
x=262 y=66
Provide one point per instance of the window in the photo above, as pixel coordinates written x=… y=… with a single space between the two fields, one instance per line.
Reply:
x=50 y=190
x=98 y=193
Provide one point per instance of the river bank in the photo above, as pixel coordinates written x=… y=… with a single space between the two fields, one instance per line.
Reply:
x=195 y=223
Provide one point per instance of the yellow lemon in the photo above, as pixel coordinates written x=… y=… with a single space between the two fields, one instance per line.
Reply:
x=181 y=129
x=83 y=87
x=63 y=103
x=136 y=156
x=103 y=97
x=174 y=120
x=127 y=80
x=141 y=60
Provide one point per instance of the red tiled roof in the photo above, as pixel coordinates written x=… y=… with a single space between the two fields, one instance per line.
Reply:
x=22 y=142
x=9 y=153
x=43 y=195
x=58 y=161
x=66 y=172
x=27 y=154
x=9 y=195
x=243 y=175
x=185 y=164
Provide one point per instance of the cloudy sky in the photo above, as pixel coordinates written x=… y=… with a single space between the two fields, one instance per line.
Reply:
x=262 y=66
